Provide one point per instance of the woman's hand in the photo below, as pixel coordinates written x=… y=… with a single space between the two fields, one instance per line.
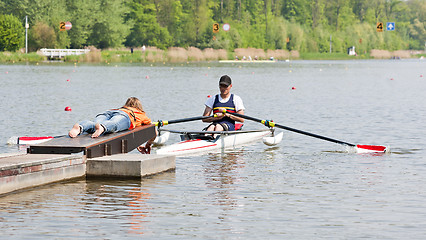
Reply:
x=145 y=149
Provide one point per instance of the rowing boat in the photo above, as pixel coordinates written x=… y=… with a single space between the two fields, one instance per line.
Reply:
x=202 y=141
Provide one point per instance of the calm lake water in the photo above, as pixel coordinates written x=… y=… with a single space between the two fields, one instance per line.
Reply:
x=304 y=188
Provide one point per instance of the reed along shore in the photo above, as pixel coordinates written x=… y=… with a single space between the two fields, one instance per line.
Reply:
x=192 y=54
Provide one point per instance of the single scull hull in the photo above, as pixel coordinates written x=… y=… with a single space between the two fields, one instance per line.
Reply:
x=225 y=140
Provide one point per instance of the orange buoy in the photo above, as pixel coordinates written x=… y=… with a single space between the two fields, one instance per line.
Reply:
x=293 y=88
x=68 y=109
x=209 y=96
x=147 y=77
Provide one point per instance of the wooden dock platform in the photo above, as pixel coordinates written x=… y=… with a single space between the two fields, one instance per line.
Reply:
x=64 y=158
x=106 y=145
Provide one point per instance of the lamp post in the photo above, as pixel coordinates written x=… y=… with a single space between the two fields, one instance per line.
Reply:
x=26 y=34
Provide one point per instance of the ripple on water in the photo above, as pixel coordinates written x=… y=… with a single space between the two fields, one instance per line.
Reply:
x=303 y=188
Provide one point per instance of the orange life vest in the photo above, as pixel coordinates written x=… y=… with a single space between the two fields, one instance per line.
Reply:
x=137 y=117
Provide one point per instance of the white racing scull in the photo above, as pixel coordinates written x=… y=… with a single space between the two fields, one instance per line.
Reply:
x=201 y=141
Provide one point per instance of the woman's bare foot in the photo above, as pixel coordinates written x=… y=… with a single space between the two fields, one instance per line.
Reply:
x=75 y=131
x=99 y=130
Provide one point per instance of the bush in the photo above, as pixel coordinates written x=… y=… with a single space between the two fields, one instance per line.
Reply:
x=11 y=33
x=42 y=36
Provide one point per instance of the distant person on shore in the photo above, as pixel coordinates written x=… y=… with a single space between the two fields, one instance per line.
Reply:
x=223 y=101
x=130 y=116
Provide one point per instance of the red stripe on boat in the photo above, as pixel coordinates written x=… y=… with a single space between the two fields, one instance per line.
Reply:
x=194 y=140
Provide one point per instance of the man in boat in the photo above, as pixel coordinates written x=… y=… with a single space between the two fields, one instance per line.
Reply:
x=223 y=101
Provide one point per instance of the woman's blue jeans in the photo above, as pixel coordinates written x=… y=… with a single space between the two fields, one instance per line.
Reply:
x=111 y=120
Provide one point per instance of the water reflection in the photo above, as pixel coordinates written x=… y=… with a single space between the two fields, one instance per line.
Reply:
x=126 y=200
x=222 y=172
x=371 y=170
x=139 y=209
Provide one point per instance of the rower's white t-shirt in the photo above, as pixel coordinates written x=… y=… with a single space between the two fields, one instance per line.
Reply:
x=238 y=102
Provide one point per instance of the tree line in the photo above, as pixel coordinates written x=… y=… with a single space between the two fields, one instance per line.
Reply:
x=302 y=25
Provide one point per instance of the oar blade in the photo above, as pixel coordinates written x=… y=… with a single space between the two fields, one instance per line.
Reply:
x=28 y=140
x=371 y=149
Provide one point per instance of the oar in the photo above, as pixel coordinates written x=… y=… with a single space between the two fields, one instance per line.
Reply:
x=359 y=148
x=161 y=123
x=30 y=140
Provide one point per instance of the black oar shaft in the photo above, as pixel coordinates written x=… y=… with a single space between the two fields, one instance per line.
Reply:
x=314 y=135
x=161 y=123
x=294 y=130
x=187 y=119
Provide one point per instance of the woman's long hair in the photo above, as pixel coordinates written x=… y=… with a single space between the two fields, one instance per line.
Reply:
x=134 y=102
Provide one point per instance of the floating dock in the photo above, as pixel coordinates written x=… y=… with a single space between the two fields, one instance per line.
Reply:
x=129 y=165
x=108 y=144
x=66 y=158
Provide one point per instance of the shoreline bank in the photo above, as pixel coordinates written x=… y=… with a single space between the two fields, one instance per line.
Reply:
x=192 y=54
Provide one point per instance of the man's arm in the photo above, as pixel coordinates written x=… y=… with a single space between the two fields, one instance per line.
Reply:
x=208 y=111
x=235 y=118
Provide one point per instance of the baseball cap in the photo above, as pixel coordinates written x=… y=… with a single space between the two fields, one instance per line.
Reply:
x=225 y=80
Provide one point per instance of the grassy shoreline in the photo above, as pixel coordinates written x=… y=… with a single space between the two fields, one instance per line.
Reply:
x=176 y=55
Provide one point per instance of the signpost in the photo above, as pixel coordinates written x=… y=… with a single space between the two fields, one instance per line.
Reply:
x=379 y=27
x=215 y=27
x=390 y=26
x=226 y=27
x=65 y=26
x=62 y=26
x=68 y=25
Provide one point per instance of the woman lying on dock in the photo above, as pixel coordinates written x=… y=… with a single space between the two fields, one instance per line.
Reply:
x=130 y=116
